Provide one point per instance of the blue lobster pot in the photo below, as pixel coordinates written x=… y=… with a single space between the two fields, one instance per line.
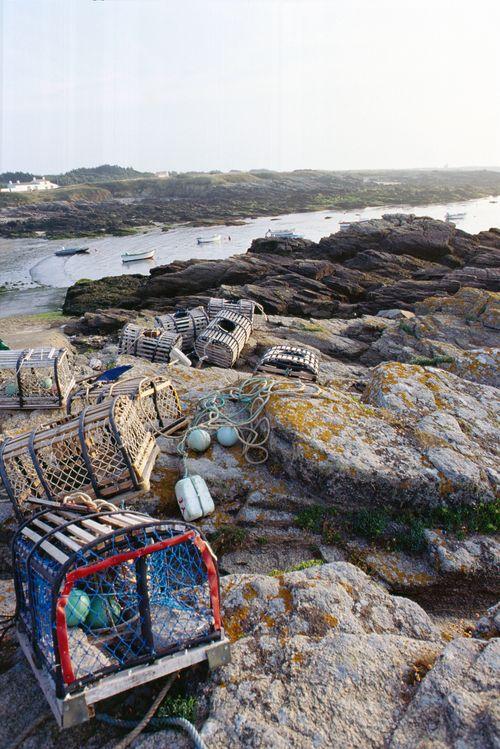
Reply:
x=110 y=600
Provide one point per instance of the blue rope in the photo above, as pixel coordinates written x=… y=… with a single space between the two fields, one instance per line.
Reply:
x=157 y=723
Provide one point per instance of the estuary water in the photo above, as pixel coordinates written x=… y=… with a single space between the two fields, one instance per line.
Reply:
x=36 y=278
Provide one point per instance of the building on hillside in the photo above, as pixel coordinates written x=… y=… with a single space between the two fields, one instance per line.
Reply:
x=162 y=175
x=37 y=183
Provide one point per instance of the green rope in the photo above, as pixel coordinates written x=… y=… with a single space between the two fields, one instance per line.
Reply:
x=242 y=407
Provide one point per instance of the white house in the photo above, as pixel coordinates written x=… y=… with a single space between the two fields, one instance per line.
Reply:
x=37 y=183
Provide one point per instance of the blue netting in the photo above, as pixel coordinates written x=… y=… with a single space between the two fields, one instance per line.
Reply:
x=42 y=604
x=122 y=614
x=118 y=630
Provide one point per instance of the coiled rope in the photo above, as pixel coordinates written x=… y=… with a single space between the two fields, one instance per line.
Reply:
x=242 y=407
x=157 y=723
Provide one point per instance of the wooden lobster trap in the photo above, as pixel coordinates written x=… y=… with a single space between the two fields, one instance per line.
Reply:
x=188 y=323
x=106 y=451
x=290 y=361
x=35 y=378
x=155 y=398
x=243 y=306
x=110 y=600
x=148 y=343
x=223 y=339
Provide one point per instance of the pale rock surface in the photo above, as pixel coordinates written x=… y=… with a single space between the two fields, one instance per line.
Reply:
x=457 y=704
x=418 y=436
x=323 y=657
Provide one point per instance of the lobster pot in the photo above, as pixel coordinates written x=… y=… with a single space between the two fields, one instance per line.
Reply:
x=223 y=339
x=35 y=378
x=155 y=399
x=101 y=593
x=148 y=343
x=243 y=306
x=188 y=323
x=105 y=451
x=291 y=361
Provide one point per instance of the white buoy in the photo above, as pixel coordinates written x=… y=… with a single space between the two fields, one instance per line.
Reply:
x=177 y=357
x=227 y=436
x=198 y=440
x=194 y=498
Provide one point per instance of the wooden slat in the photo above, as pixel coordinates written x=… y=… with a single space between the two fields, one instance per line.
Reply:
x=70 y=543
x=51 y=550
x=75 y=529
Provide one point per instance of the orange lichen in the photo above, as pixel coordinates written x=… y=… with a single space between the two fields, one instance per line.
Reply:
x=234 y=623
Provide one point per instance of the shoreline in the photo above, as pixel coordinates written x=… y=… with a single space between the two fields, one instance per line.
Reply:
x=179 y=243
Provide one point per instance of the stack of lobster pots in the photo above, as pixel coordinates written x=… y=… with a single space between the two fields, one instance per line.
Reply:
x=107 y=598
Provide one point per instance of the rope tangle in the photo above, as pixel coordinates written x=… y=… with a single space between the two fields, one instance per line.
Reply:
x=242 y=407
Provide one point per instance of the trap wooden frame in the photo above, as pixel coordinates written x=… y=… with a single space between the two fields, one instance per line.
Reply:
x=155 y=398
x=26 y=370
x=222 y=341
x=62 y=548
x=189 y=323
x=105 y=451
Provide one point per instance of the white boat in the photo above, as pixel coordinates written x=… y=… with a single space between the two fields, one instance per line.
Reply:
x=128 y=257
x=208 y=240
x=454 y=216
x=347 y=224
x=283 y=234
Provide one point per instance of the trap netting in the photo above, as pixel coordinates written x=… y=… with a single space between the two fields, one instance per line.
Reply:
x=35 y=378
x=155 y=399
x=104 y=452
x=138 y=590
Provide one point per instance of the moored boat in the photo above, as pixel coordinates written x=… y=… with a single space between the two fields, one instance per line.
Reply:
x=128 y=257
x=71 y=251
x=208 y=240
x=282 y=234
x=454 y=216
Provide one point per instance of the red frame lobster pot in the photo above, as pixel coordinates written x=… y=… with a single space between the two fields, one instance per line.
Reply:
x=112 y=594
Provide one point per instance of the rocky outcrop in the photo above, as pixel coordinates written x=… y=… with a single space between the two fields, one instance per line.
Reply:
x=459 y=333
x=418 y=437
x=396 y=261
x=322 y=657
x=457 y=703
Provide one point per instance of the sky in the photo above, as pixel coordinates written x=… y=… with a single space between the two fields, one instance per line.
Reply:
x=241 y=84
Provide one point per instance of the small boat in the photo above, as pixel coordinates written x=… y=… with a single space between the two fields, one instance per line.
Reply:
x=454 y=216
x=347 y=224
x=128 y=257
x=71 y=251
x=208 y=240
x=282 y=234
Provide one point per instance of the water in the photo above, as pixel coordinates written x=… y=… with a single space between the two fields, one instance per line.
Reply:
x=31 y=264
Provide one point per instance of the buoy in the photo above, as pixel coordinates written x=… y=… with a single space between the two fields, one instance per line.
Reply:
x=46 y=383
x=227 y=436
x=194 y=498
x=198 y=440
x=77 y=607
x=104 y=612
x=11 y=389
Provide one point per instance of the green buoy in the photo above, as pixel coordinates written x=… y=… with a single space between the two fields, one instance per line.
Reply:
x=77 y=607
x=104 y=612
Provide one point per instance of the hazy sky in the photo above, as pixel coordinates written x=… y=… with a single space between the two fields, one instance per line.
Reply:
x=240 y=84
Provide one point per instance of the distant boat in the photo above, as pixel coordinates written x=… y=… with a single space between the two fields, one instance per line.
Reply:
x=208 y=240
x=72 y=251
x=283 y=234
x=454 y=216
x=493 y=201
x=347 y=224
x=128 y=257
